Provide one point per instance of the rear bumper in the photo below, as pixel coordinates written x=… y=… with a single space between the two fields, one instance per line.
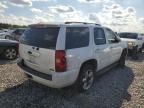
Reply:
x=55 y=80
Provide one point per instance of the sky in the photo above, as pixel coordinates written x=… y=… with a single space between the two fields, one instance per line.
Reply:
x=119 y=15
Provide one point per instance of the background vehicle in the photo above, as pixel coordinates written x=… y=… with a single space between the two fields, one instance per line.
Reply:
x=4 y=30
x=60 y=55
x=8 y=49
x=143 y=40
x=134 y=41
x=15 y=35
x=5 y=33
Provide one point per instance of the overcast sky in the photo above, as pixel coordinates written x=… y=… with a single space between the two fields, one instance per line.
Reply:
x=120 y=15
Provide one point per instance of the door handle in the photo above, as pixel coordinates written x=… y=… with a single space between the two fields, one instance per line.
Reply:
x=33 y=53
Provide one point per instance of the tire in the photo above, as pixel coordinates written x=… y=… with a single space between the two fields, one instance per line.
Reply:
x=122 y=59
x=143 y=46
x=7 y=37
x=140 y=50
x=135 y=53
x=86 y=78
x=10 y=54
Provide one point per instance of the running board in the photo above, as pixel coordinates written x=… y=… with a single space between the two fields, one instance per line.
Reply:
x=106 y=69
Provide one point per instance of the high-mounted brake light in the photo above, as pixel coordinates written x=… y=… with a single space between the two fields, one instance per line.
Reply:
x=60 y=61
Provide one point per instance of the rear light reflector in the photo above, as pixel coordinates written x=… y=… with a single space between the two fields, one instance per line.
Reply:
x=60 y=61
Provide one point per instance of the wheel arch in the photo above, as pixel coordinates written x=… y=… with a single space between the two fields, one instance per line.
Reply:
x=89 y=61
x=92 y=62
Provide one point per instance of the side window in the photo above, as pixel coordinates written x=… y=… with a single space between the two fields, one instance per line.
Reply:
x=16 y=31
x=110 y=36
x=21 y=31
x=99 y=36
x=77 y=37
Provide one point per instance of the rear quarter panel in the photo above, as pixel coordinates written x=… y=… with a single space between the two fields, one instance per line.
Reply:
x=77 y=56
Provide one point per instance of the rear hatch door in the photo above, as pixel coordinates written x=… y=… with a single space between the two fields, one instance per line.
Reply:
x=37 y=48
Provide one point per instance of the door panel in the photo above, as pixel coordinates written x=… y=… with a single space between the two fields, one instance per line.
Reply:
x=102 y=53
x=116 y=52
x=114 y=45
x=101 y=49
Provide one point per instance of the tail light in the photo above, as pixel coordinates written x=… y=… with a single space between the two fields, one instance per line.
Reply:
x=60 y=61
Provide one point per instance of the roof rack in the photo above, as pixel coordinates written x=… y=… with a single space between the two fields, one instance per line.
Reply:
x=82 y=23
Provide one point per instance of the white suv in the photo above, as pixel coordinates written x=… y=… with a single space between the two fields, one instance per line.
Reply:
x=59 y=55
x=134 y=41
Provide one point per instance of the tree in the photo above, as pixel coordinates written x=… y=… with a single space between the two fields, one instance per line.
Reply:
x=7 y=26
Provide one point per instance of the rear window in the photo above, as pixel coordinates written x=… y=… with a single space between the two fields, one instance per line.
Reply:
x=128 y=35
x=77 y=37
x=41 y=37
x=18 y=31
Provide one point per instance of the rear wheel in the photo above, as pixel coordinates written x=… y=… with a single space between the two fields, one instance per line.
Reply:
x=10 y=53
x=86 y=78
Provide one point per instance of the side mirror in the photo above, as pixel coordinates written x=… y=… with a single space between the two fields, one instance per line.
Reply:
x=117 y=39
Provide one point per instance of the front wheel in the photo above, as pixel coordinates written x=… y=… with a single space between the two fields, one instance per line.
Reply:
x=10 y=53
x=143 y=46
x=135 y=53
x=7 y=37
x=140 y=50
x=122 y=59
x=86 y=78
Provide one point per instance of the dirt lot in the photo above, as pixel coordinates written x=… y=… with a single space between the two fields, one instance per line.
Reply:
x=118 y=88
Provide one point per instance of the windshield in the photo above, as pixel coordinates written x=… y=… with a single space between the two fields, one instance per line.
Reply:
x=128 y=35
x=41 y=37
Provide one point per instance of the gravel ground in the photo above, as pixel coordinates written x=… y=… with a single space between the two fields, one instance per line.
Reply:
x=118 y=88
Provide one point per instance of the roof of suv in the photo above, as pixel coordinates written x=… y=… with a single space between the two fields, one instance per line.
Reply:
x=85 y=24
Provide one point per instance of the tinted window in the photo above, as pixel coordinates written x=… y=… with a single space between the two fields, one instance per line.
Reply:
x=128 y=35
x=41 y=37
x=99 y=36
x=77 y=37
x=21 y=31
x=110 y=36
x=16 y=31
